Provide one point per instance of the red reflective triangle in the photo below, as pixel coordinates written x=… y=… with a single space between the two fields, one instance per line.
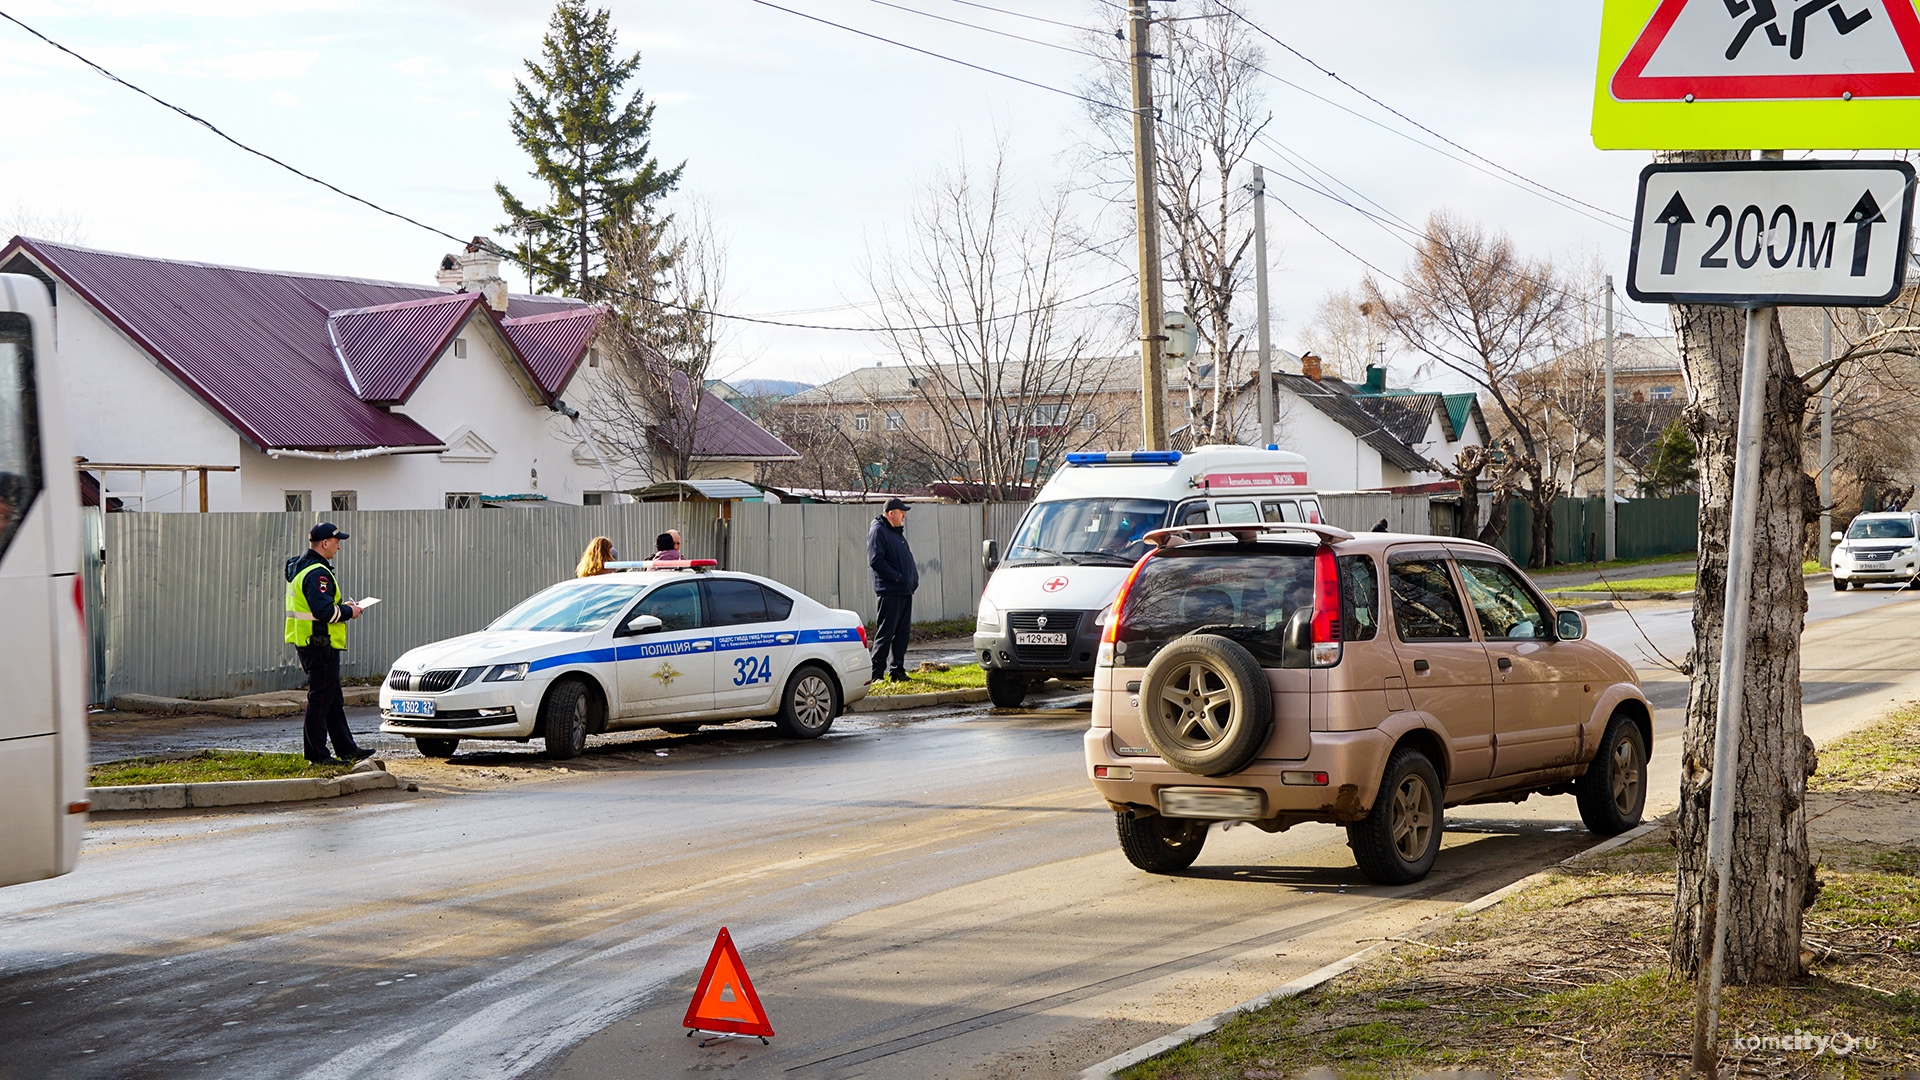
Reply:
x=1630 y=83
x=724 y=1000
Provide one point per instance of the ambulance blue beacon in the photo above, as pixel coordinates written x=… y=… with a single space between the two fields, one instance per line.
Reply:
x=1051 y=592
x=670 y=645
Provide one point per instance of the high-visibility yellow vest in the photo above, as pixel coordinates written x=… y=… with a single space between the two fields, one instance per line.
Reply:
x=300 y=616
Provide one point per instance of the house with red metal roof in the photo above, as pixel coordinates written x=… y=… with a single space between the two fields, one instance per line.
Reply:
x=193 y=386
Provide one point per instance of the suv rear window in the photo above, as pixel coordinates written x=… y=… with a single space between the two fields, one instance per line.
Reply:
x=1246 y=595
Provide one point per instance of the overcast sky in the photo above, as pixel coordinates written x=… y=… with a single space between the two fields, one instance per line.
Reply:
x=809 y=142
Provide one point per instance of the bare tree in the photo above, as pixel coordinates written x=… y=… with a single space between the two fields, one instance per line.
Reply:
x=1494 y=469
x=1210 y=101
x=1344 y=333
x=1476 y=308
x=649 y=412
x=974 y=301
x=61 y=226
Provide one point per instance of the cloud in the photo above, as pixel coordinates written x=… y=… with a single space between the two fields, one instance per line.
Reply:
x=424 y=68
x=263 y=65
x=284 y=100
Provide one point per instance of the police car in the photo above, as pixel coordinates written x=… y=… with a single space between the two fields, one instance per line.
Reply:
x=669 y=645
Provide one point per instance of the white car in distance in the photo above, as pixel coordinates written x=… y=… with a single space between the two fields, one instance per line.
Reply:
x=662 y=645
x=1878 y=547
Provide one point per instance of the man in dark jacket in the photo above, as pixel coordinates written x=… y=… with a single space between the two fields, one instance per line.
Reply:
x=317 y=615
x=894 y=578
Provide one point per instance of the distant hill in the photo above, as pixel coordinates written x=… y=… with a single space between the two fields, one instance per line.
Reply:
x=769 y=387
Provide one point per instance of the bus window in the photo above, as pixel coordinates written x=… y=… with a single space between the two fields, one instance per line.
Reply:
x=19 y=425
x=1236 y=513
x=1193 y=514
x=1312 y=507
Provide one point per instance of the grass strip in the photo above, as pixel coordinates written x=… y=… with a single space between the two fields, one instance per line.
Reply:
x=963 y=677
x=207 y=767
x=1883 y=756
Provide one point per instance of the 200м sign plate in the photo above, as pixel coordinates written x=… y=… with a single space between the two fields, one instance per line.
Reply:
x=1765 y=233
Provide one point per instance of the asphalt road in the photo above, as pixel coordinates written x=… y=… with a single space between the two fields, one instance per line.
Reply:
x=934 y=897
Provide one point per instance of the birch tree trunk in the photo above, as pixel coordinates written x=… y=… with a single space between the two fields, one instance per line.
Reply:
x=1771 y=880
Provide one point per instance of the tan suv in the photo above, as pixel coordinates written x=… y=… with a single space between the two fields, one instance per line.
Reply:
x=1369 y=681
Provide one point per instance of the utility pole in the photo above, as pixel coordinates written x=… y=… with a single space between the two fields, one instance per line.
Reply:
x=1826 y=443
x=1146 y=206
x=1260 y=302
x=1609 y=478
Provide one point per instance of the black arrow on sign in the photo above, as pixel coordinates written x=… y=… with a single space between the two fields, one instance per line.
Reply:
x=1866 y=214
x=1675 y=215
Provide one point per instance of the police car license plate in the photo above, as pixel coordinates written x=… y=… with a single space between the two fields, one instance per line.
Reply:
x=1200 y=802
x=1039 y=639
x=412 y=707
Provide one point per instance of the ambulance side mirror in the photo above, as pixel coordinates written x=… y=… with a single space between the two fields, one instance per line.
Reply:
x=990 y=555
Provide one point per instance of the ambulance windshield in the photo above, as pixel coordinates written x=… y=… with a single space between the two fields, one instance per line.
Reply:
x=1086 y=531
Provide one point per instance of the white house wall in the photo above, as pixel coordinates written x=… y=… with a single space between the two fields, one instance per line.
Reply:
x=123 y=408
x=1336 y=460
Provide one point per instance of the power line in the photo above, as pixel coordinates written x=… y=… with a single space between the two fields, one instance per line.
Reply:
x=508 y=255
x=1019 y=14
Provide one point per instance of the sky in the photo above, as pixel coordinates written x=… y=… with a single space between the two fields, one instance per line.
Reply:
x=809 y=144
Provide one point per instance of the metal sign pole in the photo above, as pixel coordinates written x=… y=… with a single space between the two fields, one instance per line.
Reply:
x=1609 y=480
x=1743 y=514
x=1826 y=443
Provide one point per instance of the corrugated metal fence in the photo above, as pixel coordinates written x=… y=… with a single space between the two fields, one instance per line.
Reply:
x=821 y=549
x=1643 y=528
x=194 y=603
x=1358 y=511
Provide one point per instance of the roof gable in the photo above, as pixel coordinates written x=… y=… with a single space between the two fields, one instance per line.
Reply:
x=386 y=350
x=554 y=344
x=256 y=346
x=1374 y=424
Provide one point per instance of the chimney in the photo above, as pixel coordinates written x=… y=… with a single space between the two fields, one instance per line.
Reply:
x=1376 y=379
x=1310 y=366
x=480 y=272
x=449 y=275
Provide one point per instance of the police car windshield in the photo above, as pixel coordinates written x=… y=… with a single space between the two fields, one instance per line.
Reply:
x=1882 y=529
x=1086 y=530
x=570 y=607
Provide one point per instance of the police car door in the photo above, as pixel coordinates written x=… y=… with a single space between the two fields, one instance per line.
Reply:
x=753 y=646
x=667 y=671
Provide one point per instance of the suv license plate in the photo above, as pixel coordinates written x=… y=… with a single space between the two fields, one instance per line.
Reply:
x=412 y=707
x=1199 y=802
x=1039 y=639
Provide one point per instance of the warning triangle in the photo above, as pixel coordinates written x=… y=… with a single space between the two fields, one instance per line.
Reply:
x=724 y=1000
x=1773 y=50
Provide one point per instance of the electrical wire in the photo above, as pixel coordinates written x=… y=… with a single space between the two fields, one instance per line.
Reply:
x=508 y=256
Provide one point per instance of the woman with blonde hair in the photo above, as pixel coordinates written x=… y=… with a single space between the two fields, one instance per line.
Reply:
x=594 y=560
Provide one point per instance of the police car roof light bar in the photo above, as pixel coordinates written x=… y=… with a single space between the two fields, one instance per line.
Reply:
x=697 y=565
x=1126 y=457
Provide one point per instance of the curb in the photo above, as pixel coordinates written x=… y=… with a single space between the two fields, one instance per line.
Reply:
x=1105 y=1070
x=895 y=702
x=368 y=776
x=283 y=703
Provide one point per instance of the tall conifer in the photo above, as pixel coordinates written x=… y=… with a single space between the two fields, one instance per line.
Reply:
x=591 y=151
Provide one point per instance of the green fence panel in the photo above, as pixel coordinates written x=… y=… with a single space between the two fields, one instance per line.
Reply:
x=1643 y=528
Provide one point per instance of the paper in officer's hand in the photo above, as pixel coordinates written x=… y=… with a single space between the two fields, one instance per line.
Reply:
x=367 y=602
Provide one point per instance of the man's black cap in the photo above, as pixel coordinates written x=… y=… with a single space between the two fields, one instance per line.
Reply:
x=897 y=504
x=326 y=530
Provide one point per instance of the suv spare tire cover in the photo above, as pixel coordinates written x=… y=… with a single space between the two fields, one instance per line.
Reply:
x=1205 y=705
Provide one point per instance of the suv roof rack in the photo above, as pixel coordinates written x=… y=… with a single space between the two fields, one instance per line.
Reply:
x=1329 y=533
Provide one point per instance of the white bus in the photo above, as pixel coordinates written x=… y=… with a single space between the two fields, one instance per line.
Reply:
x=43 y=705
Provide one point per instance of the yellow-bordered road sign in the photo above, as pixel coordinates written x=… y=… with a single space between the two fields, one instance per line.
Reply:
x=1733 y=74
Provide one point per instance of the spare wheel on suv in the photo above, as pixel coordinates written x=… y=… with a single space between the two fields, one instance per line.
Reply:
x=1205 y=705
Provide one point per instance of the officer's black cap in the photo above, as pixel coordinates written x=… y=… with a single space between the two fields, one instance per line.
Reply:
x=326 y=530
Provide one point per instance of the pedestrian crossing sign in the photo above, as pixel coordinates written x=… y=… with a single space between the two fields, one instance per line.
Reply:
x=1743 y=74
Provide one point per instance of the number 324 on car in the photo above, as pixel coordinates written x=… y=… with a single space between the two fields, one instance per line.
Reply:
x=669 y=646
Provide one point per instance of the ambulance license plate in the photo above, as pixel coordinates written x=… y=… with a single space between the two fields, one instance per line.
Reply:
x=1201 y=802
x=412 y=707
x=1039 y=639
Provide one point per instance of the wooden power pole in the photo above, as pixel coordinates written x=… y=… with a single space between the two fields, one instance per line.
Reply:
x=1146 y=202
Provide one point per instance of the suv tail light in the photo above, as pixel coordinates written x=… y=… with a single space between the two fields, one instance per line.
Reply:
x=1326 y=609
x=1112 y=630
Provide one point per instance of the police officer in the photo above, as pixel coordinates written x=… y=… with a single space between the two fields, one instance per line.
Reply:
x=317 y=614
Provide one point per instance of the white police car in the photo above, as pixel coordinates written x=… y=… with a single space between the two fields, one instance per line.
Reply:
x=673 y=645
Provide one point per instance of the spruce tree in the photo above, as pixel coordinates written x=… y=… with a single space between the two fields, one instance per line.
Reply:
x=592 y=151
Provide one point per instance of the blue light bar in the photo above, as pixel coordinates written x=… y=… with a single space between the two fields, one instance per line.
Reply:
x=1126 y=457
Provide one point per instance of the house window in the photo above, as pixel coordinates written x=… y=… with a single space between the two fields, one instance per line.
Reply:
x=860 y=421
x=299 y=502
x=1089 y=421
x=1033 y=457
x=462 y=500
x=894 y=422
x=593 y=357
x=924 y=421
x=460 y=347
x=344 y=500
x=1663 y=393
x=593 y=498
x=913 y=382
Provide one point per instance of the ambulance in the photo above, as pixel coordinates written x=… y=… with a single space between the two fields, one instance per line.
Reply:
x=1050 y=593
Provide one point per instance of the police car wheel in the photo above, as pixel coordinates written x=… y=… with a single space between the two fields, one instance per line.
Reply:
x=809 y=705
x=564 y=718
x=436 y=748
